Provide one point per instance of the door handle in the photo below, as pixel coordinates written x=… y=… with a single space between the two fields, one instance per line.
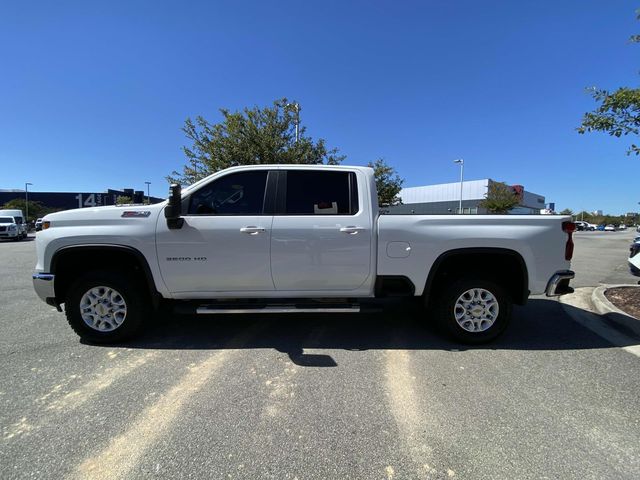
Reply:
x=351 y=230
x=251 y=230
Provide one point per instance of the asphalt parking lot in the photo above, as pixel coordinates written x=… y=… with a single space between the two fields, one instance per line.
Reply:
x=311 y=396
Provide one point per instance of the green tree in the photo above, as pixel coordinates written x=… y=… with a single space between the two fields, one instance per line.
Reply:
x=618 y=113
x=388 y=183
x=500 y=198
x=584 y=215
x=36 y=209
x=123 y=200
x=253 y=136
x=566 y=211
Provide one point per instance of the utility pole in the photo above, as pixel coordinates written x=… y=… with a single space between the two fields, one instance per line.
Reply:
x=26 y=203
x=296 y=107
x=460 y=162
x=148 y=196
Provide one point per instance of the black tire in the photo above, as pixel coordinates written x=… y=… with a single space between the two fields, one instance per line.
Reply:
x=129 y=292
x=445 y=308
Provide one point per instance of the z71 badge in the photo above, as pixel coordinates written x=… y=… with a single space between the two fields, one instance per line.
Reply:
x=135 y=214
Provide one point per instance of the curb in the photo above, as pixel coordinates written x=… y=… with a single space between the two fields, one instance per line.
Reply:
x=604 y=307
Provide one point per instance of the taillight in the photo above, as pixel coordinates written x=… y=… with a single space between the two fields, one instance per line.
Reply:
x=568 y=228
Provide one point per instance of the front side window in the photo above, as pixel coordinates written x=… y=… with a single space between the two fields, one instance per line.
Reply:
x=321 y=193
x=235 y=194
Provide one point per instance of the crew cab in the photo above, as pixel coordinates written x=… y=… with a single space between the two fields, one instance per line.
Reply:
x=293 y=238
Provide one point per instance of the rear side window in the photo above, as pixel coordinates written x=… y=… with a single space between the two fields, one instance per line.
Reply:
x=321 y=193
x=235 y=194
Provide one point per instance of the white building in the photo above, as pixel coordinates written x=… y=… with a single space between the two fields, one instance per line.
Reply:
x=445 y=199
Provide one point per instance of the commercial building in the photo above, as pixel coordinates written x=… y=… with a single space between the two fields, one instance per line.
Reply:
x=444 y=199
x=71 y=200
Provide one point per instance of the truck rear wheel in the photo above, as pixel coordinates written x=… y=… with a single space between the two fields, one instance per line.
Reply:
x=105 y=307
x=473 y=311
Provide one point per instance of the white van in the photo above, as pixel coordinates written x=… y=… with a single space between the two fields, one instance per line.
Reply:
x=19 y=218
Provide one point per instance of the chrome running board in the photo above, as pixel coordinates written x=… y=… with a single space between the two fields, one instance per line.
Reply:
x=217 y=310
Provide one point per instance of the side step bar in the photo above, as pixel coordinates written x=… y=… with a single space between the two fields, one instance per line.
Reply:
x=215 y=309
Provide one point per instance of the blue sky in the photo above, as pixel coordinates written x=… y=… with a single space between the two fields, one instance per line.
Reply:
x=93 y=94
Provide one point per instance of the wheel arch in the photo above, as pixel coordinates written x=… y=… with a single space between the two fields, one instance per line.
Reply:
x=74 y=258
x=507 y=261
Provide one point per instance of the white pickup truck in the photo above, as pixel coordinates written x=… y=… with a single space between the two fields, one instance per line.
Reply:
x=290 y=238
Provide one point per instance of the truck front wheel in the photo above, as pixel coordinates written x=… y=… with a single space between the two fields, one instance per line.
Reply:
x=105 y=307
x=474 y=310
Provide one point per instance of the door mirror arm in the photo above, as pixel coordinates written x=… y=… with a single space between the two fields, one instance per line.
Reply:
x=173 y=210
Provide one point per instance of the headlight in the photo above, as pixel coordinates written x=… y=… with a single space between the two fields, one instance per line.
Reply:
x=12 y=227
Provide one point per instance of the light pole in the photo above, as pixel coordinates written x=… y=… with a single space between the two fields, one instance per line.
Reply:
x=296 y=106
x=26 y=202
x=148 y=197
x=460 y=162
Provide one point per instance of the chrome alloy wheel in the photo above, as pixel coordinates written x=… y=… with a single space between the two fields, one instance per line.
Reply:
x=103 y=308
x=476 y=310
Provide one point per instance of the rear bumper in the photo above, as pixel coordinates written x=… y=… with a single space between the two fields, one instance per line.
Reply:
x=559 y=283
x=43 y=285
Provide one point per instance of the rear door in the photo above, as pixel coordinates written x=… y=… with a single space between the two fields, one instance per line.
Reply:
x=321 y=236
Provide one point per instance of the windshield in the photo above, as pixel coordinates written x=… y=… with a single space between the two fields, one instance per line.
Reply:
x=7 y=220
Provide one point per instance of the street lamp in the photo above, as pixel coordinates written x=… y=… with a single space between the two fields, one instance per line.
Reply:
x=460 y=162
x=148 y=197
x=296 y=107
x=26 y=202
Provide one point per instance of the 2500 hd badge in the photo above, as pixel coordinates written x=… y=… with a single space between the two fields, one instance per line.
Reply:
x=186 y=259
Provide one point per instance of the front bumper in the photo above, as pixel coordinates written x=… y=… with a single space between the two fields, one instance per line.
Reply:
x=634 y=270
x=12 y=234
x=43 y=285
x=559 y=283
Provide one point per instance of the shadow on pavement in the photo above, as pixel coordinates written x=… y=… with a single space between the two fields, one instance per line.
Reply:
x=541 y=325
x=28 y=239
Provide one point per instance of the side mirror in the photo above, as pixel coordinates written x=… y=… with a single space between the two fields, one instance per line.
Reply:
x=174 y=207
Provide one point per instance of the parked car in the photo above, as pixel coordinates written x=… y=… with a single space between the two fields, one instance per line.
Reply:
x=634 y=257
x=609 y=228
x=600 y=228
x=38 y=224
x=585 y=226
x=18 y=217
x=622 y=226
x=9 y=228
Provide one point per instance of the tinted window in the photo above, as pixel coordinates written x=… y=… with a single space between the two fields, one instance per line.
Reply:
x=320 y=193
x=234 y=194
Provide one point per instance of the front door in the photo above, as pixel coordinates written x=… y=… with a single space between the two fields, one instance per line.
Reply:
x=224 y=243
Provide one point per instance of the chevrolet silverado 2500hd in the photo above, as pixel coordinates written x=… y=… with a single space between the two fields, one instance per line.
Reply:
x=283 y=238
